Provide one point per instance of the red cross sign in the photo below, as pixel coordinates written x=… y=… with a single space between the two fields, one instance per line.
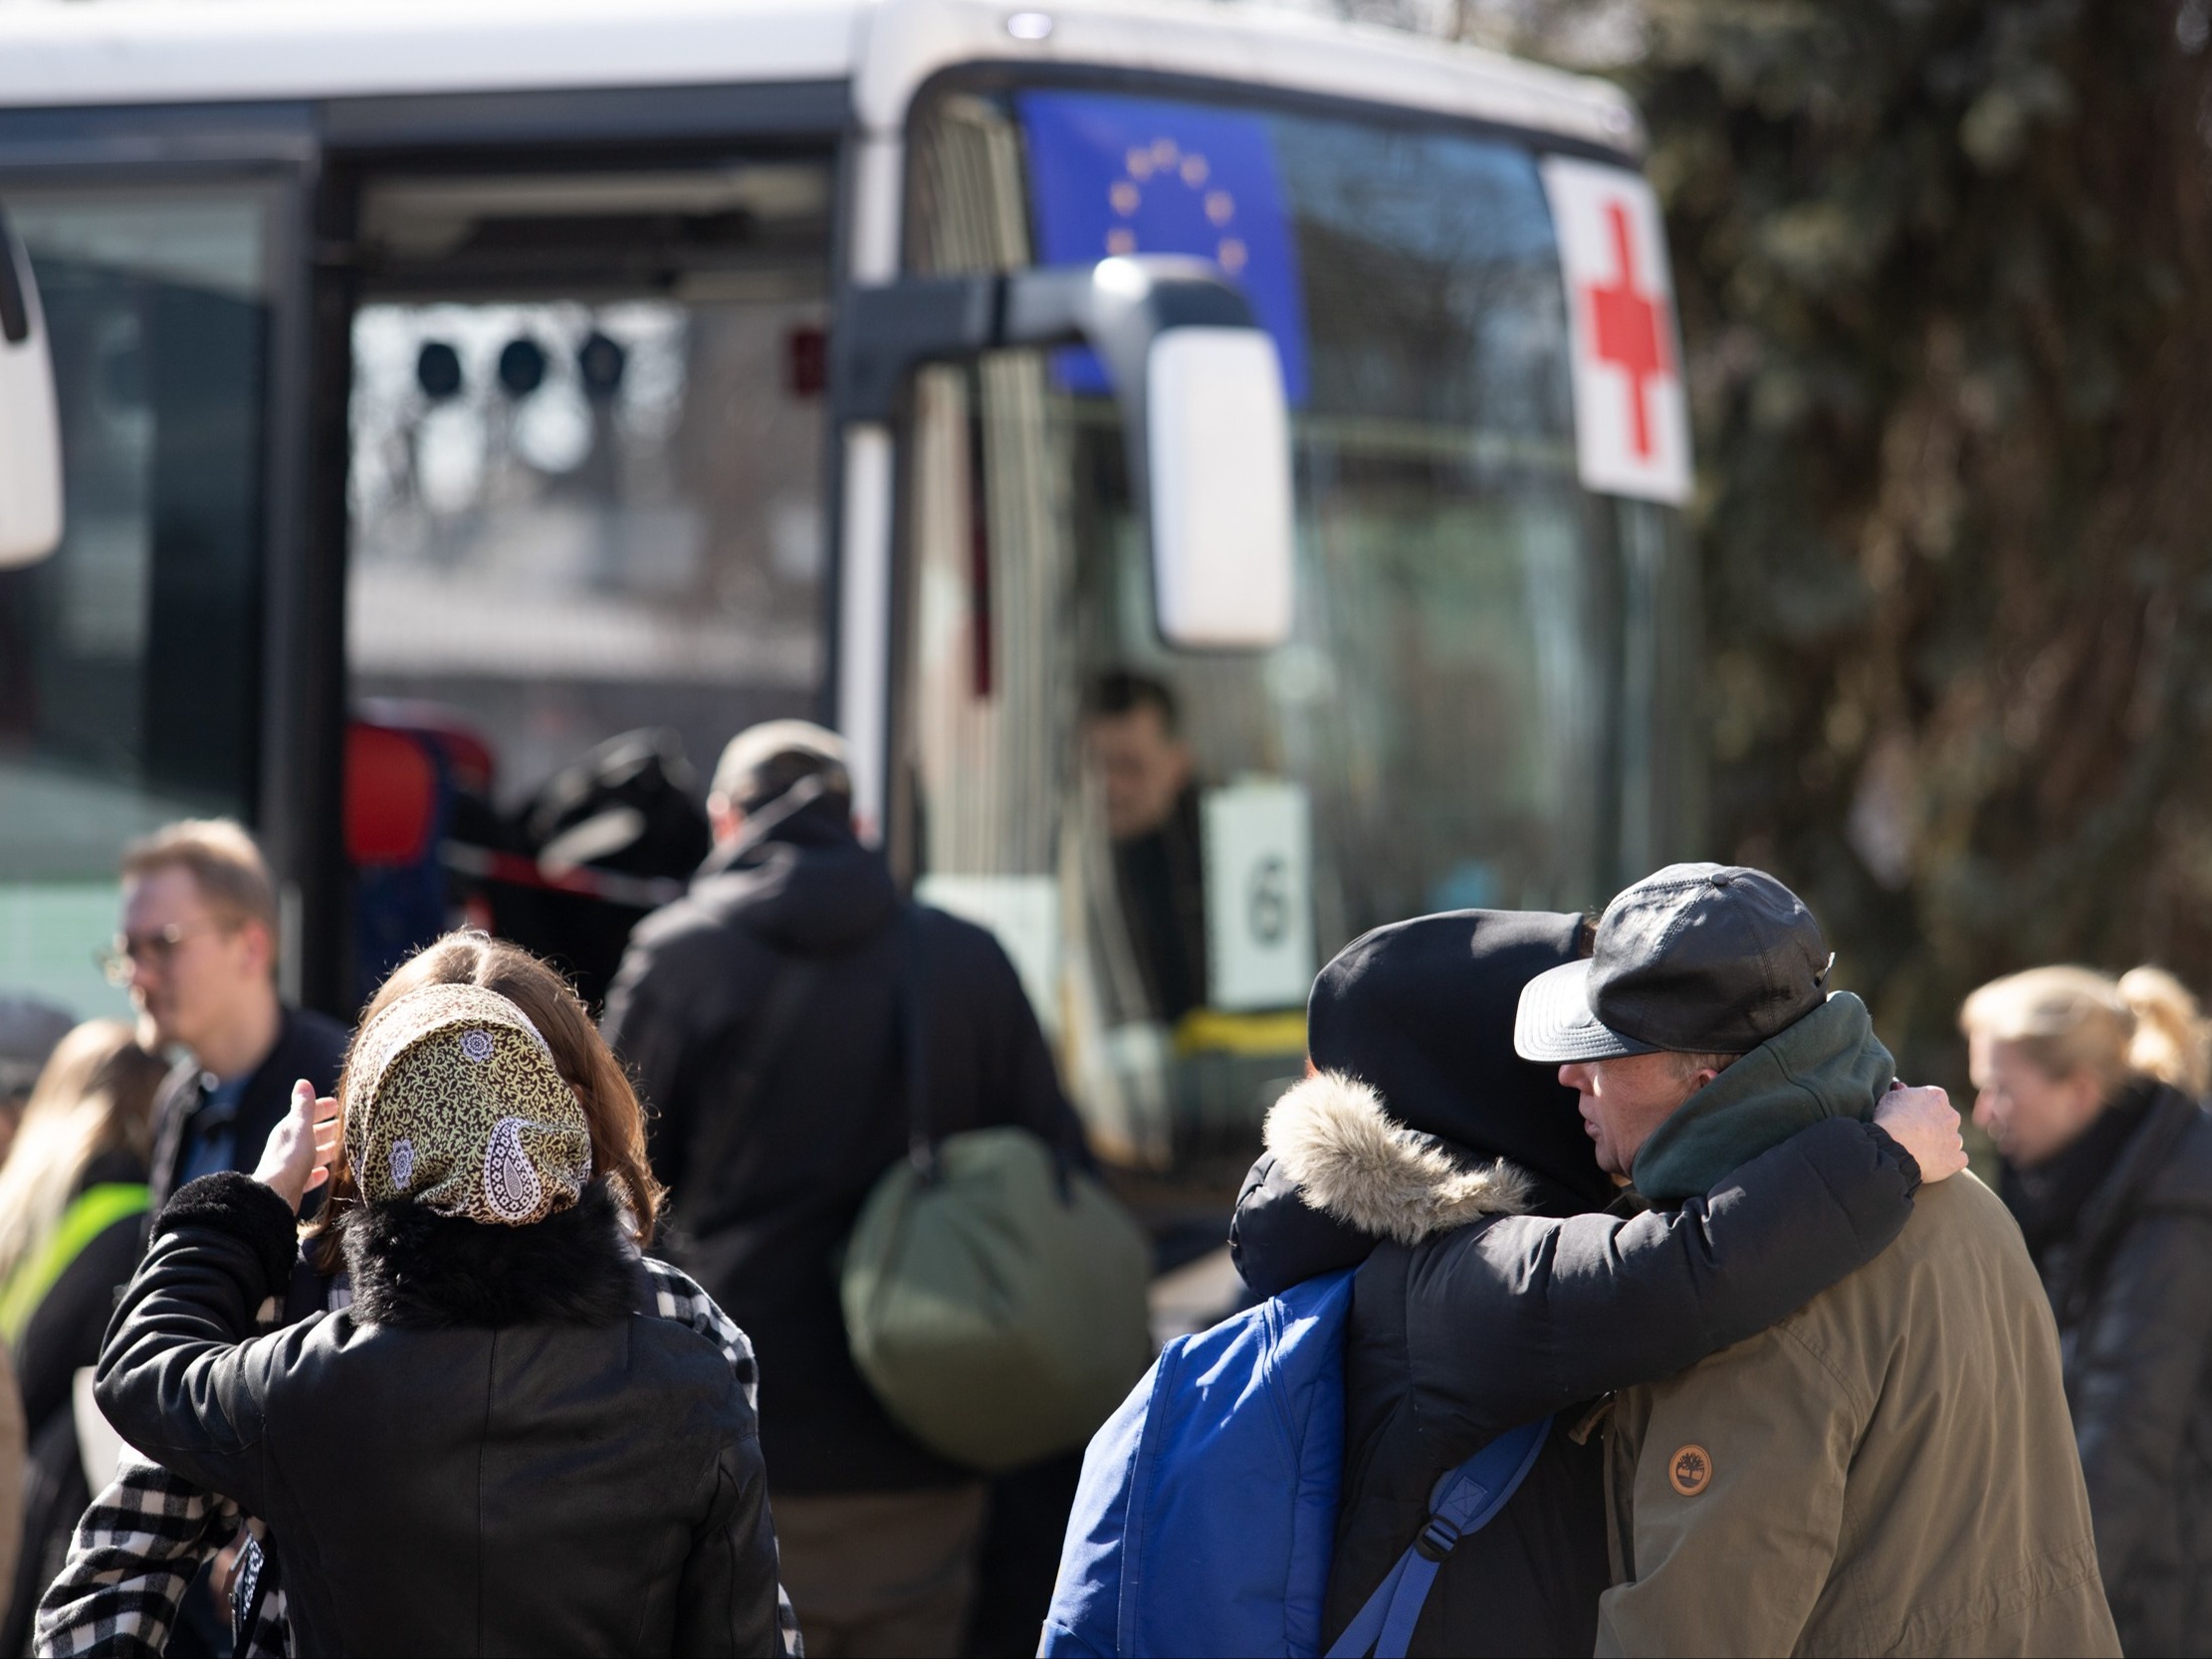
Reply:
x=1632 y=428
x=1624 y=328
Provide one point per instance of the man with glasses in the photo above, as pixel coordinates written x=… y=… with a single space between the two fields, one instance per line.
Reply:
x=198 y=955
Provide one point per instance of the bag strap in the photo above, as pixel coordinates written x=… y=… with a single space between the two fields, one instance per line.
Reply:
x=758 y=1044
x=920 y=1142
x=1462 y=1503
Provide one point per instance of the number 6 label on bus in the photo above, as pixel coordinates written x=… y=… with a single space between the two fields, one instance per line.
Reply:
x=1259 y=842
x=1632 y=425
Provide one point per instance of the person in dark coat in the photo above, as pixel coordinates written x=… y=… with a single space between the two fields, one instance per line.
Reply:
x=880 y=1535
x=2091 y=1089
x=72 y=1215
x=1494 y=1288
x=198 y=955
x=498 y=1446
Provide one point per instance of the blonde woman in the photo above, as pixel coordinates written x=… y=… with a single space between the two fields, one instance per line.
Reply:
x=72 y=1203
x=2091 y=1086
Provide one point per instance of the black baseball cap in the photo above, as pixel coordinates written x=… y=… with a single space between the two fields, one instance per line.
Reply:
x=1696 y=958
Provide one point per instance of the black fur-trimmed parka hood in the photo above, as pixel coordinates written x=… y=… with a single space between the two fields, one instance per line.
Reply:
x=1332 y=1137
x=1340 y=1174
x=1496 y=1280
x=496 y=1448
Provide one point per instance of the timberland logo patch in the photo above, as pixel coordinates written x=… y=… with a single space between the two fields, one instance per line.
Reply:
x=1691 y=1470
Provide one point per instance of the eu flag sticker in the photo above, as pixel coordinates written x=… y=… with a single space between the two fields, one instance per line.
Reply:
x=1138 y=175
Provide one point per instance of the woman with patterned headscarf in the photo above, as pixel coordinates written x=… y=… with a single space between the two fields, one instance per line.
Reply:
x=498 y=1446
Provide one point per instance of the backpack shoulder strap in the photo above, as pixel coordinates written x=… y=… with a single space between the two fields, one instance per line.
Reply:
x=1463 y=1502
x=754 y=1046
x=921 y=1139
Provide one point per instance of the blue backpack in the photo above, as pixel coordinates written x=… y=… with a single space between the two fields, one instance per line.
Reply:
x=1206 y=1514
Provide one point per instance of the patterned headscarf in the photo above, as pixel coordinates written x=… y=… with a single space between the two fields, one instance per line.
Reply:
x=454 y=1103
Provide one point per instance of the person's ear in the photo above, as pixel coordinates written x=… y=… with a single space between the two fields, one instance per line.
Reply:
x=724 y=817
x=2085 y=1095
x=260 y=948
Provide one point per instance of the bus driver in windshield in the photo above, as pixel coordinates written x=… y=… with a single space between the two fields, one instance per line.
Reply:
x=1133 y=736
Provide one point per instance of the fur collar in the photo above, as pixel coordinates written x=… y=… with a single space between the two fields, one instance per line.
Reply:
x=1332 y=1135
x=414 y=1266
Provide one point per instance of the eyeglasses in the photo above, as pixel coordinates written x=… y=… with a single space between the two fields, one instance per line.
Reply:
x=156 y=948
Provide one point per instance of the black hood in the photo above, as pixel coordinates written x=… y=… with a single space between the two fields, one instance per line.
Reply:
x=798 y=879
x=1415 y=1101
x=1423 y=1012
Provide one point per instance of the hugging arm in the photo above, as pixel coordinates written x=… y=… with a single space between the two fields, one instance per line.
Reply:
x=1526 y=1315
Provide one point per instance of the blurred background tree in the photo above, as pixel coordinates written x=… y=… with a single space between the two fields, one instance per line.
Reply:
x=1945 y=278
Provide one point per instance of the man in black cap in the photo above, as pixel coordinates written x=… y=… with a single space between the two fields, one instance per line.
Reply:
x=1889 y=1469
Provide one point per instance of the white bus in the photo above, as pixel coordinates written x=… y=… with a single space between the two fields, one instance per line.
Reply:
x=510 y=377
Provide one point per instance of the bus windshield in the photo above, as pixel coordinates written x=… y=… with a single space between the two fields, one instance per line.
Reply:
x=1172 y=843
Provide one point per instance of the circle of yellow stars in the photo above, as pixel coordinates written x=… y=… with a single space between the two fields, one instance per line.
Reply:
x=1163 y=160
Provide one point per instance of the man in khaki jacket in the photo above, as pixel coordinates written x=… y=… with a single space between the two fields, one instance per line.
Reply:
x=1892 y=1468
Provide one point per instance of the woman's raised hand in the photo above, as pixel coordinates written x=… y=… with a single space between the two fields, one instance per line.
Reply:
x=297 y=1159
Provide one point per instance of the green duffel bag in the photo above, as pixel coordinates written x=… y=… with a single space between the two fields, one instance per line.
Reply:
x=997 y=1307
x=993 y=1294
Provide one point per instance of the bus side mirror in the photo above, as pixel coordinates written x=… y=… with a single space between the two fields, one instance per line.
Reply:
x=30 y=426
x=1217 y=435
x=1201 y=391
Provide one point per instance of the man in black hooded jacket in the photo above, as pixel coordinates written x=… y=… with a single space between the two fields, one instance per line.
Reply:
x=879 y=1536
x=1492 y=1288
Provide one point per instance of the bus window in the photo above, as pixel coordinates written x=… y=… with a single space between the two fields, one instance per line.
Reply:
x=586 y=456
x=129 y=659
x=1172 y=843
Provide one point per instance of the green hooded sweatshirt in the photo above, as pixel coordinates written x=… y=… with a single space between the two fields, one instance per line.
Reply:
x=1828 y=1065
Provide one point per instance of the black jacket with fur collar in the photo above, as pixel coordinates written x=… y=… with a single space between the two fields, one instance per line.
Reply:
x=1484 y=1300
x=489 y=1452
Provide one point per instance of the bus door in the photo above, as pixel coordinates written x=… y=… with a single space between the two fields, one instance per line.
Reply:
x=584 y=524
x=137 y=663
